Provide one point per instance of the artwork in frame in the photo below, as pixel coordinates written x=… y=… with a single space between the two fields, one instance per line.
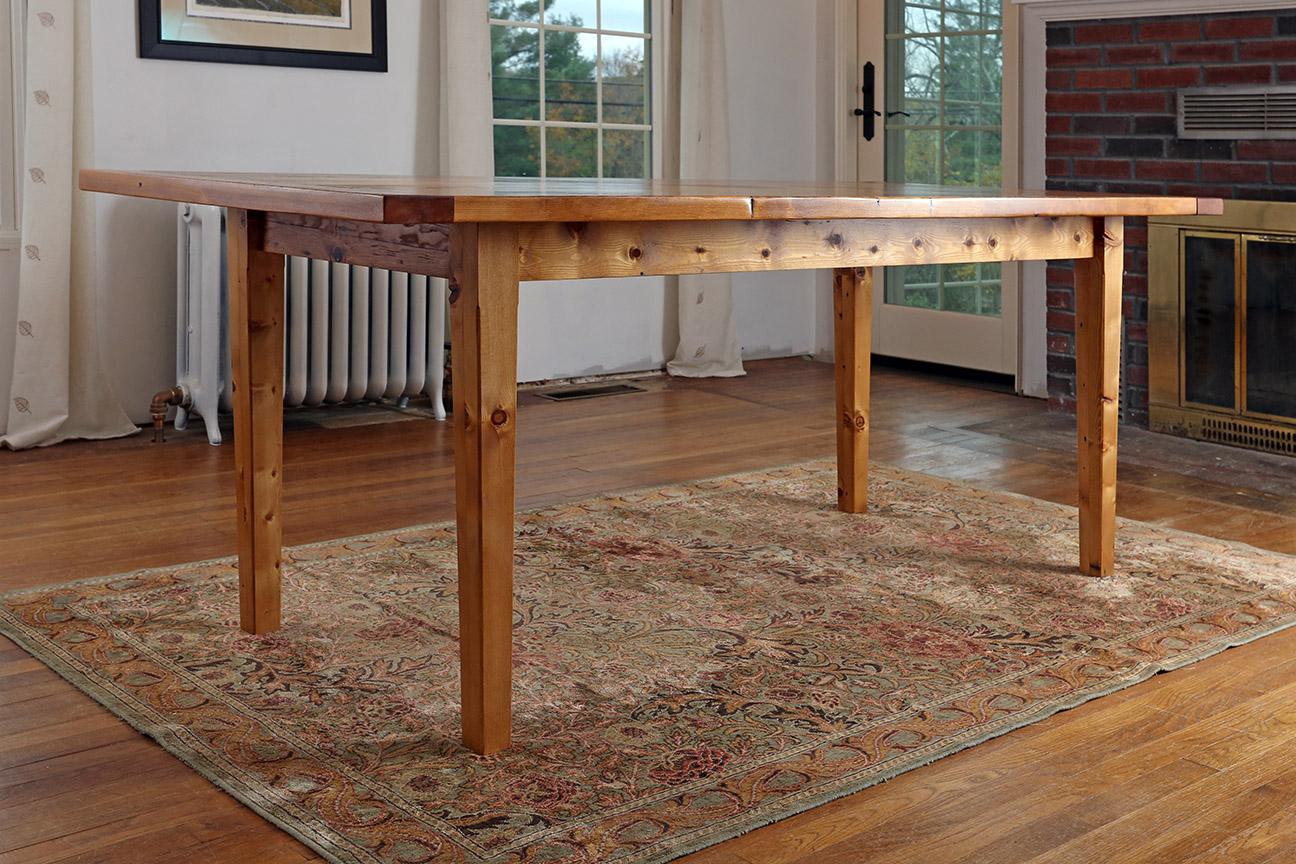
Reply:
x=328 y=34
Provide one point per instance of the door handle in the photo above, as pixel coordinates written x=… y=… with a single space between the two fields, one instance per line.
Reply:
x=869 y=112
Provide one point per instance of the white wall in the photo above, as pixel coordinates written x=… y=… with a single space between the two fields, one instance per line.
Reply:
x=218 y=117
x=165 y=114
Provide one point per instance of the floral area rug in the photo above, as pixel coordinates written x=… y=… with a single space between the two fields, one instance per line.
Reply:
x=690 y=662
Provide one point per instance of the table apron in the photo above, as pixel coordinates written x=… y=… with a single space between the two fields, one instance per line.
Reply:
x=581 y=250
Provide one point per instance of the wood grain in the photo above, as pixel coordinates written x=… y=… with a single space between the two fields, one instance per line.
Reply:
x=247 y=192
x=852 y=334
x=1097 y=345
x=422 y=249
x=936 y=201
x=483 y=313
x=381 y=198
x=574 y=250
x=256 y=301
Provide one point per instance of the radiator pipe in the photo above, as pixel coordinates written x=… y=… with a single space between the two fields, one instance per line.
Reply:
x=163 y=400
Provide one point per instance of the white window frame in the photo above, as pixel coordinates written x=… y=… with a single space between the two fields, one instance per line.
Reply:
x=12 y=19
x=656 y=86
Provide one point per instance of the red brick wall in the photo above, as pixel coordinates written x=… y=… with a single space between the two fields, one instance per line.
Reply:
x=1110 y=126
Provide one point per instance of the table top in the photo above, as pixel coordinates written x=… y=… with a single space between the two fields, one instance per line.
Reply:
x=405 y=200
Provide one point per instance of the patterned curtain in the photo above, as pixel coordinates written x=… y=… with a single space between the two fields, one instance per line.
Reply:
x=59 y=390
x=708 y=344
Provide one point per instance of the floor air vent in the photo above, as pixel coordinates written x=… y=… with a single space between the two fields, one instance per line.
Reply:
x=1238 y=112
x=569 y=394
x=1244 y=433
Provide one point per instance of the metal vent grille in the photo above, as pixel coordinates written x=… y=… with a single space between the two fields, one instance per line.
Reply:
x=1245 y=433
x=1238 y=112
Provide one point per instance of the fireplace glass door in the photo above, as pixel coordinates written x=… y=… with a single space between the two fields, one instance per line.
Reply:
x=1239 y=323
x=1270 y=326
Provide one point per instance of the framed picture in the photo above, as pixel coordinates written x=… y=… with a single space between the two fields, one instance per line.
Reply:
x=328 y=34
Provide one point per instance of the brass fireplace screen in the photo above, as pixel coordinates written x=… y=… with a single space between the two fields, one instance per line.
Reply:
x=1222 y=326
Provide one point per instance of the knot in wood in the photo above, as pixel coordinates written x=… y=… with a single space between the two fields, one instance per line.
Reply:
x=765 y=253
x=636 y=253
x=337 y=253
x=873 y=249
x=992 y=242
x=917 y=242
x=499 y=417
x=454 y=293
x=834 y=240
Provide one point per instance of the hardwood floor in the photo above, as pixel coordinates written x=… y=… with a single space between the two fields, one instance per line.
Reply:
x=1191 y=766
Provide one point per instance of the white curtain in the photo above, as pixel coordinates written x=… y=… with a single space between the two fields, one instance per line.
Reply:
x=59 y=390
x=708 y=344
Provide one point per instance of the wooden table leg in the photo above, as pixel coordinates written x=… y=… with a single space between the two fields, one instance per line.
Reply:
x=852 y=341
x=1098 y=322
x=483 y=316
x=256 y=301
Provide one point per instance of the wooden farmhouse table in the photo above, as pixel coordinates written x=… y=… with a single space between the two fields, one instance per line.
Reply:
x=486 y=236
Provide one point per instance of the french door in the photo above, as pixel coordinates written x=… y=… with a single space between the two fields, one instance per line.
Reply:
x=937 y=70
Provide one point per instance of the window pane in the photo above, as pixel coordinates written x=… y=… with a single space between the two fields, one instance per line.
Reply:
x=972 y=158
x=1209 y=302
x=572 y=13
x=921 y=149
x=922 y=68
x=922 y=112
x=628 y=16
x=513 y=10
x=919 y=287
x=972 y=85
x=1270 y=328
x=570 y=89
x=959 y=22
x=985 y=7
x=625 y=153
x=571 y=152
x=515 y=72
x=959 y=297
x=625 y=80
x=517 y=151
x=922 y=19
x=991 y=290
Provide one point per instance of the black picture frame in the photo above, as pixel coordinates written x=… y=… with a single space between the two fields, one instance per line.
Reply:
x=153 y=46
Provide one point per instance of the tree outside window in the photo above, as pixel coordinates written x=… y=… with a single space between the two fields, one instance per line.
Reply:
x=571 y=88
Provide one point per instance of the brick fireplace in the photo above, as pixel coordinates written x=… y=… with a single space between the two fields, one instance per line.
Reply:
x=1110 y=125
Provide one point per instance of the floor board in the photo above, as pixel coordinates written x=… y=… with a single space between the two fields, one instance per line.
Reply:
x=1190 y=766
